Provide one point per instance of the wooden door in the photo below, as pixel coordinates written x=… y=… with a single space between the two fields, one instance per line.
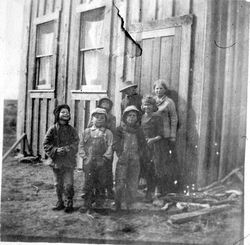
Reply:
x=165 y=46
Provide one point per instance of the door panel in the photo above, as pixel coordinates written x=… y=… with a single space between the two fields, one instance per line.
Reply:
x=166 y=54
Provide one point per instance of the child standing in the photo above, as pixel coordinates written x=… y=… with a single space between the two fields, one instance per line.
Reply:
x=130 y=145
x=107 y=104
x=152 y=126
x=131 y=96
x=61 y=145
x=96 y=151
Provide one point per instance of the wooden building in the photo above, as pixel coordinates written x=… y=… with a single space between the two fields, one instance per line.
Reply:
x=77 y=51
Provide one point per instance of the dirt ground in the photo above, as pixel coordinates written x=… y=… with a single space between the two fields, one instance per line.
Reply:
x=28 y=196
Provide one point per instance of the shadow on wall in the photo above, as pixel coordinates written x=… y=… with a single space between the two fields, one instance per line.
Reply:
x=186 y=144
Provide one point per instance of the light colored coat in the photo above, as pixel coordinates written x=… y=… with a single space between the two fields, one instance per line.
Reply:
x=167 y=110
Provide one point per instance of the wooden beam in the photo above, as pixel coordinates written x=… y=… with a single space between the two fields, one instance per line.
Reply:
x=46 y=18
x=161 y=24
x=186 y=217
x=90 y=6
x=49 y=94
x=14 y=146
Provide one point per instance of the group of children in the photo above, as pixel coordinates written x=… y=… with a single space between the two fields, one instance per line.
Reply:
x=137 y=143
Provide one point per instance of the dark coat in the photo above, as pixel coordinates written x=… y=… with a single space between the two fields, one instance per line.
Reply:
x=119 y=142
x=134 y=99
x=61 y=136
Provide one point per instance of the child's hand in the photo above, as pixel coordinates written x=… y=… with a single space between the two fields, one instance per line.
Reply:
x=60 y=151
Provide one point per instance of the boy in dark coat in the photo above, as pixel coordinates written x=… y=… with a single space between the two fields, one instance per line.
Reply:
x=96 y=152
x=131 y=96
x=61 y=145
x=131 y=147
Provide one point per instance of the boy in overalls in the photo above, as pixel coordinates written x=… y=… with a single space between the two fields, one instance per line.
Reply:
x=96 y=152
x=107 y=104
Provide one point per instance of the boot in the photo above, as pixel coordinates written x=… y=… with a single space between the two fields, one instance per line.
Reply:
x=59 y=206
x=69 y=206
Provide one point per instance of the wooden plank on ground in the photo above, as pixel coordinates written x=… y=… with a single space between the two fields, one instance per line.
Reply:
x=23 y=136
x=186 y=217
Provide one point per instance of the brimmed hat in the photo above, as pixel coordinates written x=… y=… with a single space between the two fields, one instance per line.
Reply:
x=149 y=100
x=99 y=111
x=57 y=110
x=131 y=108
x=128 y=84
x=105 y=98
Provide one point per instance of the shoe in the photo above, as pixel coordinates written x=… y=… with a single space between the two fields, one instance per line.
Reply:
x=59 y=206
x=69 y=207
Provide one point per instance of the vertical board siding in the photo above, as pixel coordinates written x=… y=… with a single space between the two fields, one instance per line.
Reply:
x=211 y=105
x=156 y=61
x=146 y=71
x=241 y=31
x=166 y=51
x=49 y=8
x=164 y=9
x=41 y=8
x=148 y=10
x=216 y=93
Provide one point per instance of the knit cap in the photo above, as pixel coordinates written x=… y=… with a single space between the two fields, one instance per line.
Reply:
x=57 y=110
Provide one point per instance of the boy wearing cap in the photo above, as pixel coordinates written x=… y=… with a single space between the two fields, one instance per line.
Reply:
x=61 y=145
x=131 y=96
x=107 y=104
x=96 y=151
x=130 y=145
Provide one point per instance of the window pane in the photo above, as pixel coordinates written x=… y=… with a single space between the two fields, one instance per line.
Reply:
x=92 y=29
x=44 y=66
x=45 y=38
x=92 y=67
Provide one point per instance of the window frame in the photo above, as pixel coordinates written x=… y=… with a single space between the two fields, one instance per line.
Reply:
x=54 y=17
x=81 y=9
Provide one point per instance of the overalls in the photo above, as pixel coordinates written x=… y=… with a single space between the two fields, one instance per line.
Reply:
x=95 y=170
x=127 y=170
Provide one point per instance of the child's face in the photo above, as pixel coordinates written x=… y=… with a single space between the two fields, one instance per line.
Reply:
x=130 y=91
x=131 y=118
x=105 y=104
x=148 y=108
x=64 y=114
x=99 y=120
x=159 y=90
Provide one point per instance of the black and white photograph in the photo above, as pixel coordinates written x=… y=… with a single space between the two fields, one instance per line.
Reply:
x=125 y=121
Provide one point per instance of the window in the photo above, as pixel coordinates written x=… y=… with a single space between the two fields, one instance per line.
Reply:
x=94 y=46
x=44 y=54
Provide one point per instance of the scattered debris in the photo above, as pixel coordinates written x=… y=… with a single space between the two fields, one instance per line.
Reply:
x=29 y=159
x=186 y=217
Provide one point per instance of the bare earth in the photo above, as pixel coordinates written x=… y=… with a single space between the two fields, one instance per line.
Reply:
x=26 y=215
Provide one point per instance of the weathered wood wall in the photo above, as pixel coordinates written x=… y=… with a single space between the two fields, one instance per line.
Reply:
x=212 y=101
